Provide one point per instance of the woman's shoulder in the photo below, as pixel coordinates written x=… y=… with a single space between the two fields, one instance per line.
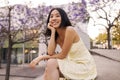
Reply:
x=70 y=29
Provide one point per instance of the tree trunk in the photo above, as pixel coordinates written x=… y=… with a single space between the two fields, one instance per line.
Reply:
x=8 y=60
x=0 y=56
x=10 y=44
x=109 y=38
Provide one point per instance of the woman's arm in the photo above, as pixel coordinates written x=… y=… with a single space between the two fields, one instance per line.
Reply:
x=52 y=43
x=68 y=41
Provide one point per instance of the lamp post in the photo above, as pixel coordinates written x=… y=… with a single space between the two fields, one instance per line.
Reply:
x=23 y=46
x=23 y=59
x=1 y=46
x=24 y=33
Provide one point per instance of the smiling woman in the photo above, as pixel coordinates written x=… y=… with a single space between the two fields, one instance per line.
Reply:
x=74 y=61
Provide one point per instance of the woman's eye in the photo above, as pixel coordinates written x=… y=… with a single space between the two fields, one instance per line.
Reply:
x=57 y=16
x=51 y=16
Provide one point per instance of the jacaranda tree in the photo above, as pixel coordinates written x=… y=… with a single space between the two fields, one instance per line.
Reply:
x=107 y=11
x=21 y=24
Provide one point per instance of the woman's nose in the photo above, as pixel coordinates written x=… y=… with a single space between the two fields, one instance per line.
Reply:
x=54 y=18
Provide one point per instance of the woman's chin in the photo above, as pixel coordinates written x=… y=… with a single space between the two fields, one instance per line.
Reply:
x=56 y=27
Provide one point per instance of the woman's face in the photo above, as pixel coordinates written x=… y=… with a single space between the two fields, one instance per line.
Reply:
x=55 y=19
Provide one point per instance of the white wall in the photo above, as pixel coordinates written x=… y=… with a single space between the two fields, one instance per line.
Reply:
x=81 y=28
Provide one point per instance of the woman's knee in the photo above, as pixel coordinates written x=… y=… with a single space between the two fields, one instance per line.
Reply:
x=52 y=63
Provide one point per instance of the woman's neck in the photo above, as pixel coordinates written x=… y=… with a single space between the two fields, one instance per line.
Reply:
x=61 y=32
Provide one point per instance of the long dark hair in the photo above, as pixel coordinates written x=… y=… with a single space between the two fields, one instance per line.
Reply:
x=65 y=22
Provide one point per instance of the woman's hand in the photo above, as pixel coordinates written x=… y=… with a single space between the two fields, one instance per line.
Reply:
x=51 y=27
x=35 y=61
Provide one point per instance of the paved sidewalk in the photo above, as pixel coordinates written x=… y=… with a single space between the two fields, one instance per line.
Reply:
x=21 y=72
x=107 y=62
x=112 y=54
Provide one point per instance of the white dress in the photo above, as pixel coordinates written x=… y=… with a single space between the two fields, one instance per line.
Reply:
x=79 y=63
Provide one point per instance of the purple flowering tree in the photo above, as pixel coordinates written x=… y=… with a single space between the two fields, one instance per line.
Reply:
x=106 y=11
x=21 y=24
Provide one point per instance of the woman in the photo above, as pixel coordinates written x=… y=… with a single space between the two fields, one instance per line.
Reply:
x=74 y=61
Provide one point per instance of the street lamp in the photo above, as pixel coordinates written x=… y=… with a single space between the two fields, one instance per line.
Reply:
x=23 y=59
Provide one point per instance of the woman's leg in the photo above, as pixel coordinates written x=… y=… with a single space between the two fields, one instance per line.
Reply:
x=51 y=71
x=40 y=78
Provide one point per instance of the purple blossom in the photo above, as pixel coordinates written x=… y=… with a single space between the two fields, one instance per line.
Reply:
x=28 y=12
x=94 y=1
x=23 y=21
x=84 y=2
x=75 y=8
x=82 y=10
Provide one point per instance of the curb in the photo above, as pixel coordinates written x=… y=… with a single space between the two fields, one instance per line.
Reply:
x=104 y=55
